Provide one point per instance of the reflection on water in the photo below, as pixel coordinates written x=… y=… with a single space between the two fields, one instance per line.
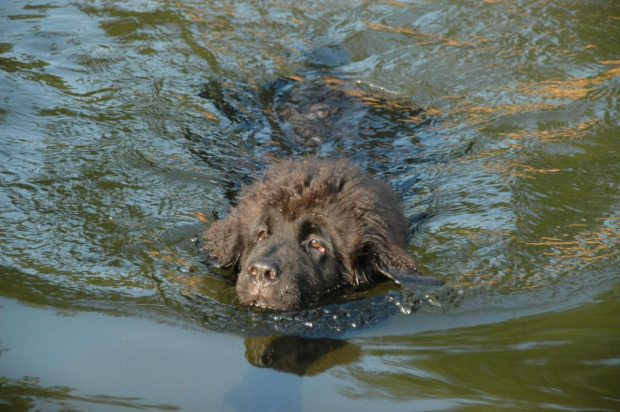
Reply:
x=28 y=394
x=288 y=355
x=300 y=356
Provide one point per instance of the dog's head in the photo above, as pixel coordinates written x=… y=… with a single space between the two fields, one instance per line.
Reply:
x=288 y=263
x=306 y=229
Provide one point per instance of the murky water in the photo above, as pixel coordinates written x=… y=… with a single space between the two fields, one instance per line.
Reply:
x=125 y=127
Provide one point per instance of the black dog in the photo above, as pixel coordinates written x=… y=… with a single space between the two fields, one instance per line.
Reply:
x=307 y=228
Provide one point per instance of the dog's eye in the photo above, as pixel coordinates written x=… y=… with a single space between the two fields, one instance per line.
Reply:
x=262 y=235
x=315 y=244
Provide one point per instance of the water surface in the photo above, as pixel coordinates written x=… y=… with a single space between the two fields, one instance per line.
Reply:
x=126 y=127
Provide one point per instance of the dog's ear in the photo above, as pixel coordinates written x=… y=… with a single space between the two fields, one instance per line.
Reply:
x=387 y=260
x=403 y=275
x=392 y=262
x=223 y=242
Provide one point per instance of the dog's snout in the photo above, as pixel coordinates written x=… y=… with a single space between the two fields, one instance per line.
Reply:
x=264 y=270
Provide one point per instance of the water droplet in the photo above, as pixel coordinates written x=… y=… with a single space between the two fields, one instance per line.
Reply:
x=432 y=301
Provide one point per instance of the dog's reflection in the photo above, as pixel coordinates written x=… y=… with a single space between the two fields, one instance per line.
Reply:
x=300 y=356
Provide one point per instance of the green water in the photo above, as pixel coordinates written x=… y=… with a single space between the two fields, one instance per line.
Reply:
x=113 y=157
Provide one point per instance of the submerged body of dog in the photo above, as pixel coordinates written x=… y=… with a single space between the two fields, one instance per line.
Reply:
x=307 y=228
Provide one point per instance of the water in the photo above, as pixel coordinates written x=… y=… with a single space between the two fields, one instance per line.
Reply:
x=126 y=127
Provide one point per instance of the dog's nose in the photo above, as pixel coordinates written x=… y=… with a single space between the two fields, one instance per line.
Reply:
x=264 y=270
